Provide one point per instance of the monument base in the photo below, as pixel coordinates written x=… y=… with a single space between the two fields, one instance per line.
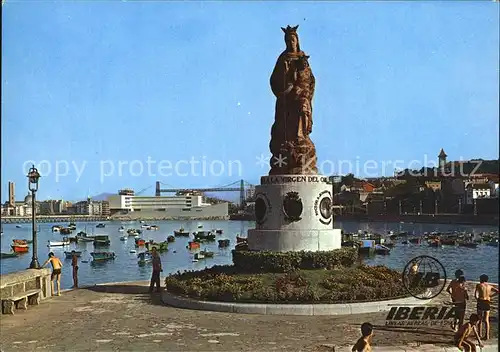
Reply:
x=294 y=213
x=294 y=240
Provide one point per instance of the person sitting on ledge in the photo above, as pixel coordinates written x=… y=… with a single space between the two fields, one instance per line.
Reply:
x=464 y=332
x=363 y=343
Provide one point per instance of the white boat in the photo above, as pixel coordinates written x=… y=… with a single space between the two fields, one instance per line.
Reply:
x=58 y=243
x=123 y=238
x=133 y=251
x=121 y=229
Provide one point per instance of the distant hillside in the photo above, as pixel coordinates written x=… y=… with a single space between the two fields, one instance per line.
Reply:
x=102 y=196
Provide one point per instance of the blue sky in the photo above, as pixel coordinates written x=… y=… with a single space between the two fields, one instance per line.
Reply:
x=90 y=84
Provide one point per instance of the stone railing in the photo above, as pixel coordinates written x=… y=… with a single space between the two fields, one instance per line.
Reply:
x=22 y=281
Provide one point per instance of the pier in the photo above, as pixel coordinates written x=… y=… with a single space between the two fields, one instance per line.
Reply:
x=53 y=219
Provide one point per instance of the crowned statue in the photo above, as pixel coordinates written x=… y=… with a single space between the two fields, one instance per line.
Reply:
x=292 y=82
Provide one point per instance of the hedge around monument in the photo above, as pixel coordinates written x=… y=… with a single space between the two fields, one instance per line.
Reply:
x=341 y=285
x=246 y=261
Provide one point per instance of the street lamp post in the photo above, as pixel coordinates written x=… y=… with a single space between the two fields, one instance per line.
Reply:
x=33 y=177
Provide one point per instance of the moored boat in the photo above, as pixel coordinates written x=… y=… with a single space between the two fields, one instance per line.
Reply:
x=241 y=239
x=102 y=256
x=20 y=248
x=140 y=242
x=64 y=242
x=144 y=258
x=8 y=255
x=219 y=231
x=181 y=233
x=492 y=243
x=382 y=250
x=121 y=229
x=193 y=245
x=224 y=243
x=123 y=238
x=468 y=244
x=100 y=226
x=69 y=255
x=170 y=239
x=56 y=228
x=101 y=240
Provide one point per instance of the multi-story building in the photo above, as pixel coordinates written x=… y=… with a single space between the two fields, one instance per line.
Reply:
x=180 y=205
x=90 y=207
x=52 y=207
x=477 y=191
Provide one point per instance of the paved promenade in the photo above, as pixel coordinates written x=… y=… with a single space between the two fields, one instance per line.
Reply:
x=124 y=317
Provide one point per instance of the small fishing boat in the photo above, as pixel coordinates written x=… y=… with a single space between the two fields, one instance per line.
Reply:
x=100 y=226
x=224 y=243
x=181 y=233
x=207 y=254
x=193 y=245
x=18 y=226
x=492 y=243
x=65 y=231
x=21 y=242
x=241 y=239
x=20 y=248
x=123 y=238
x=69 y=255
x=102 y=256
x=64 y=242
x=160 y=247
x=198 y=256
x=140 y=242
x=72 y=226
x=73 y=239
x=243 y=246
x=82 y=237
x=133 y=251
x=154 y=228
x=219 y=231
x=204 y=236
x=8 y=255
x=121 y=229
x=468 y=244
x=170 y=239
x=382 y=250
x=144 y=258
x=101 y=240
x=56 y=228
x=145 y=226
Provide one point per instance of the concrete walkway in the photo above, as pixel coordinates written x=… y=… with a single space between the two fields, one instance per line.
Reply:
x=125 y=317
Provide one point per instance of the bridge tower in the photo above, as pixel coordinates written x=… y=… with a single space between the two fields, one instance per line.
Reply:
x=158 y=189
x=242 y=194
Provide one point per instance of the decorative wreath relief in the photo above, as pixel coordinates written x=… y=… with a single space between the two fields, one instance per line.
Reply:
x=292 y=207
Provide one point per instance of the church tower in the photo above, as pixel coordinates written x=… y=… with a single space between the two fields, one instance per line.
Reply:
x=442 y=159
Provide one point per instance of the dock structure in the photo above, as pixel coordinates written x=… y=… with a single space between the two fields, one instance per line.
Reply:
x=53 y=219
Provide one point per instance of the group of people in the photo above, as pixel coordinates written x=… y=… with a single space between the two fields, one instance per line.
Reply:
x=57 y=270
x=458 y=291
x=483 y=293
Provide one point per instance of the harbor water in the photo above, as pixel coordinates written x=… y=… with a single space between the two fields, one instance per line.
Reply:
x=474 y=261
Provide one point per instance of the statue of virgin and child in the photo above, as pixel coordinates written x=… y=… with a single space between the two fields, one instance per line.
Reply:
x=292 y=82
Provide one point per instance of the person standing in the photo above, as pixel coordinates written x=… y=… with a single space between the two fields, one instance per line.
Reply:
x=56 y=272
x=483 y=294
x=157 y=269
x=74 y=264
x=459 y=295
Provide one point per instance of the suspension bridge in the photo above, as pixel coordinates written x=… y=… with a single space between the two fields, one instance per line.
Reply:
x=243 y=187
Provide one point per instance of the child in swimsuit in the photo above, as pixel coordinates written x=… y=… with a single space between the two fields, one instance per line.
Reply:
x=464 y=332
x=56 y=272
x=483 y=295
x=363 y=343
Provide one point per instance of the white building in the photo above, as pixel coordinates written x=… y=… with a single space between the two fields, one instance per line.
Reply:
x=475 y=191
x=130 y=203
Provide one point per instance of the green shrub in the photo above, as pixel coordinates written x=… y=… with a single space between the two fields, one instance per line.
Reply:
x=276 y=262
x=227 y=283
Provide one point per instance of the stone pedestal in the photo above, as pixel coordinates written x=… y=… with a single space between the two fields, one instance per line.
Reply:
x=294 y=213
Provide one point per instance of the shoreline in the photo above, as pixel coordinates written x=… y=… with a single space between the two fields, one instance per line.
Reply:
x=452 y=219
